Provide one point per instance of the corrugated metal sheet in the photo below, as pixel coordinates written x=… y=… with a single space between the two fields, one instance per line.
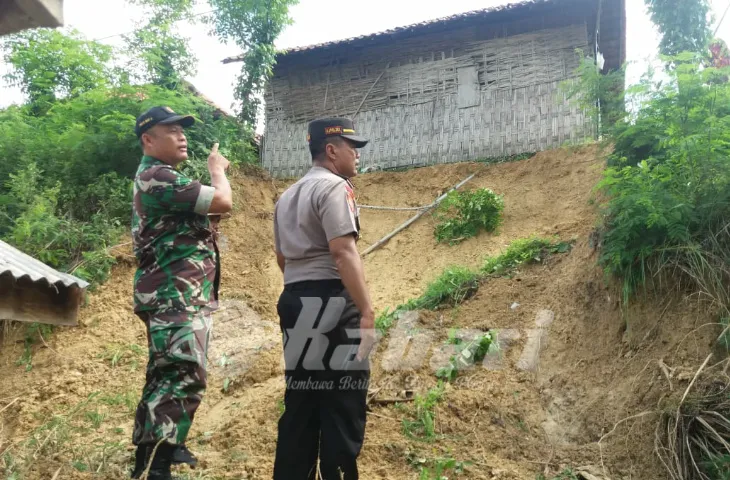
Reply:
x=20 y=265
x=415 y=26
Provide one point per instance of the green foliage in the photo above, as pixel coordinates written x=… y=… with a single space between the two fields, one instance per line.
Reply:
x=34 y=333
x=55 y=438
x=164 y=56
x=683 y=25
x=671 y=113
x=65 y=187
x=119 y=354
x=666 y=195
x=465 y=356
x=128 y=400
x=724 y=339
x=454 y=286
x=600 y=95
x=423 y=427
x=32 y=223
x=717 y=466
x=65 y=196
x=253 y=25
x=523 y=251
x=48 y=64
x=385 y=320
x=95 y=418
x=457 y=284
x=437 y=468
x=462 y=215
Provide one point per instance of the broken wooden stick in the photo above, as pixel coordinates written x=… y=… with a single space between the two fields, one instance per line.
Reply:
x=416 y=217
x=389 y=401
x=370 y=90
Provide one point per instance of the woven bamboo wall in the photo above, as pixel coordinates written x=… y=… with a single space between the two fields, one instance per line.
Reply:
x=412 y=113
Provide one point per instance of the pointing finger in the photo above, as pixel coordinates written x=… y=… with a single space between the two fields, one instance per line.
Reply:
x=215 y=148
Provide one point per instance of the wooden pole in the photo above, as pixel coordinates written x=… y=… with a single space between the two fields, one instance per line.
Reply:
x=405 y=225
x=370 y=90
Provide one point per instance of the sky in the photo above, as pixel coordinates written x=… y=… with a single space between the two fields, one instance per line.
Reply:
x=315 y=21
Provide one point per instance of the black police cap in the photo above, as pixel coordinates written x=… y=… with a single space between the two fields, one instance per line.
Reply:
x=323 y=128
x=160 y=116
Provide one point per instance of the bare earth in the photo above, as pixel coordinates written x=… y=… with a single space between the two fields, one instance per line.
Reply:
x=73 y=409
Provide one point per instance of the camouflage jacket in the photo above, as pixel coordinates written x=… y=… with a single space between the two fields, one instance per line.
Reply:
x=174 y=242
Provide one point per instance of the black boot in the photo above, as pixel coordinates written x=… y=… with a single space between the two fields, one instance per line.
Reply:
x=161 y=463
x=140 y=460
x=183 y=455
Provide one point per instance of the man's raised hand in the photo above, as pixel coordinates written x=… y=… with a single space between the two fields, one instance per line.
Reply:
x=216 y=161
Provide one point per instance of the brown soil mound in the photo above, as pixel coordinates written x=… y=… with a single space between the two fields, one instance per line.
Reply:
x=73 y=409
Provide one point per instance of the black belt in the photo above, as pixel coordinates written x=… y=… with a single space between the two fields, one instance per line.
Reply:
x=308 y=284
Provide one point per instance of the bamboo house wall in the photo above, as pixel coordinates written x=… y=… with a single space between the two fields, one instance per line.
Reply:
x=442 y=97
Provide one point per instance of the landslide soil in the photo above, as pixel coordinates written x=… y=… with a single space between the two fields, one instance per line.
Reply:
x=68 y=408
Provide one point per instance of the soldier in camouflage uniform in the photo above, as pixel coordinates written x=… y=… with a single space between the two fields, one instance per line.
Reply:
x=175 y=286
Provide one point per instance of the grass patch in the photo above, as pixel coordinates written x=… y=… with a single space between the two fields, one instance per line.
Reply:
x=129 y=400
x=457 y=284
x=423 y=427
x=56 y=440
x=437 y=468
x=463 y=215
x=120 y=354
x=454 y=286
x=34 y=333
x=95 y=418
x=523 y=251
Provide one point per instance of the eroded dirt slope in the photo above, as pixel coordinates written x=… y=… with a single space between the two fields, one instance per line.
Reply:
x=73 y=409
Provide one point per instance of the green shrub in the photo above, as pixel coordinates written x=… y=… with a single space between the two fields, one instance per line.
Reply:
x=65 y=197
x=667 y=199
x=462 y=215
x=600 y=95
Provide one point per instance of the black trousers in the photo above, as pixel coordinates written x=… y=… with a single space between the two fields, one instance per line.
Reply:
x=325 y=395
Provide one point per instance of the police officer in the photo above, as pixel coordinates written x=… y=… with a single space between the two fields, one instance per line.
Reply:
x=175 y=286
x=326 y=316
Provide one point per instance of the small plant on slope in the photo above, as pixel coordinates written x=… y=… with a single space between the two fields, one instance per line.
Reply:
x=462 y=215
x=424 y=426
x=454 y=286
x=467 y=354
x=523 y=251
x=457 y=284
x=437 y=468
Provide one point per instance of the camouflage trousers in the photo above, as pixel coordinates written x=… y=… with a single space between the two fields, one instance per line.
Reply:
x=176 y=375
